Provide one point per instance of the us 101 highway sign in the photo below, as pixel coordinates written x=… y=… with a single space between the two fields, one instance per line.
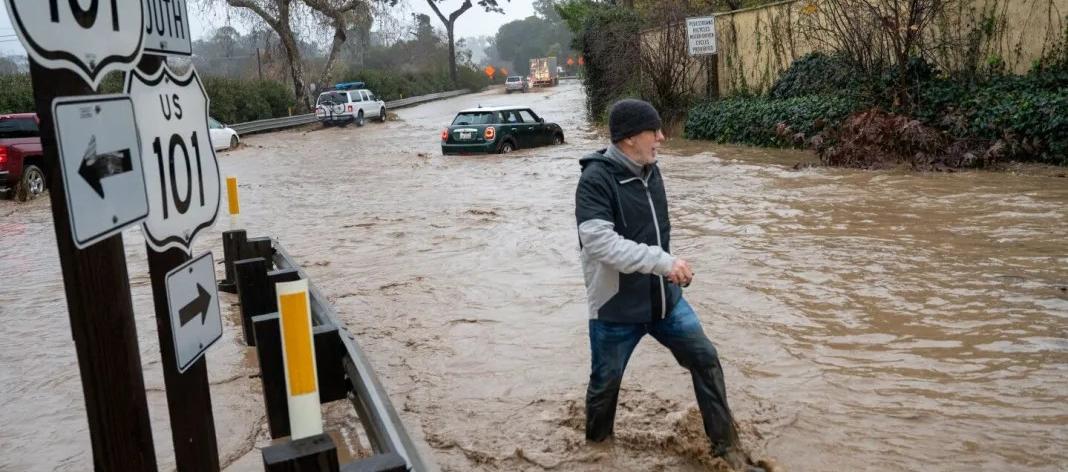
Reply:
x=181 y=171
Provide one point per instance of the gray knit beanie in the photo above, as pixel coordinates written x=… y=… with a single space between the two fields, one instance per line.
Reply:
x=629 y=117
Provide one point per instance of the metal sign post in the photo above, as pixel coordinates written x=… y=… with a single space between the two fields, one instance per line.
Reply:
x=88 y=43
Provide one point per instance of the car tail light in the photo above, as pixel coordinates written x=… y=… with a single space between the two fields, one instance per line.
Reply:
x=490 y=133
x=445 y=134
x=350 y=108
x=3 y=156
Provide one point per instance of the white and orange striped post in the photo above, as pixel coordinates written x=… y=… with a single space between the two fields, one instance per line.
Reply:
x=298 y=356
x=235 y=205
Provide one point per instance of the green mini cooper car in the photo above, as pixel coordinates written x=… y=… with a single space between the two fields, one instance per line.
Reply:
x=498 y=130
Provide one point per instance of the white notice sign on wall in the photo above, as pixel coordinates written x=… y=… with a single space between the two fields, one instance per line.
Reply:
x=701 y=35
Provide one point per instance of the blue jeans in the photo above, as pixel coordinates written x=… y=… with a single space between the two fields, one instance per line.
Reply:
x=611 y=345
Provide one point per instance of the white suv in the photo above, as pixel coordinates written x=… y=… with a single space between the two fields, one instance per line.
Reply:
x=343 y=106
x=515 y=83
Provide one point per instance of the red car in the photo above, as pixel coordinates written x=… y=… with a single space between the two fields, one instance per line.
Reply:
x=22 y=167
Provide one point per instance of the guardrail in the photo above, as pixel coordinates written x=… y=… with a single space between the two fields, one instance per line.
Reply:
x=253 y=267
x=271 y=124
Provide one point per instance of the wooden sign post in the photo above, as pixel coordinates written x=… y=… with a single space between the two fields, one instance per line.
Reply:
x=70 y=50
x=188 y=390
x=97 y=154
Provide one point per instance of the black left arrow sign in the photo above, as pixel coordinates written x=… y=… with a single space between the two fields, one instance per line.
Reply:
x=199 y=306
x=96 y=167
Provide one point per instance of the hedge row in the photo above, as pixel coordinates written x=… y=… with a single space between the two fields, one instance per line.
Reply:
x=1027 y=113
x=232 y=101
x=16 y=94
x=238 y=101
x=390 y=86
x=762 y=121
x=1022 y=117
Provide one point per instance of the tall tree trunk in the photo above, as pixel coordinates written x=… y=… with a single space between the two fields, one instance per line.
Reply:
x=449 y=23
x=335 y=49
x=342 y=14
x=280 y=24
x=296 y=71
x=452 y=55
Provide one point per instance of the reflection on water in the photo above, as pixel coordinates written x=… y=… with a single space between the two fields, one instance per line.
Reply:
x=867 y=320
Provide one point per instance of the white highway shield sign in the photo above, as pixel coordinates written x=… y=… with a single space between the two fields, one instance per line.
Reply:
x=167 y=27
x=90 y=37
x=193 y=303
x=101 y=163
x=181 y=172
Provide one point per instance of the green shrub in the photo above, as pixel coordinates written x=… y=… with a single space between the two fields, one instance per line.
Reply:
x=1003 y=116
x=813 y=74
x=238 y=101
x=390 y=86
x=16 y=94
x=609 y=40
x=278 y=96
x=1028 y=113
x=768 y=122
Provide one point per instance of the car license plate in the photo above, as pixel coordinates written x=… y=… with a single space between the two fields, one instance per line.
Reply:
x=467 y=135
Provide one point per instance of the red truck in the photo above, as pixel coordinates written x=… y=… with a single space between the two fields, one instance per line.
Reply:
x=22 y=168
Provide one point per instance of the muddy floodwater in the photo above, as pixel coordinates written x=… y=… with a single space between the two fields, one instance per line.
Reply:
x=883 y=321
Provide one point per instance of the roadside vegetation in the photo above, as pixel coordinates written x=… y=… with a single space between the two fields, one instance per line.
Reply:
x=289 y=51
x=252 y=76
x=617 y=64
x=820 y=104
x=897 y=82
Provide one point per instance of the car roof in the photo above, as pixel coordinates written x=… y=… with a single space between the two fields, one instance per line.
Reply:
x=341 y=91
x=493 y=109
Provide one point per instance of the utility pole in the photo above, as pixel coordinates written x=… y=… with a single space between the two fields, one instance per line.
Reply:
x=259 y=64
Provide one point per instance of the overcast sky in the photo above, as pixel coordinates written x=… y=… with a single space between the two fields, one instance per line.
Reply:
x=474 y=22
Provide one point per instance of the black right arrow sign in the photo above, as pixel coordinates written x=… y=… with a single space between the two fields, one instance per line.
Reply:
x=95 y=167
x=199 y=306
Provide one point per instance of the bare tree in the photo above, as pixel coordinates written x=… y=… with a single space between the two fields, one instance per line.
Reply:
x=289 y=18
x=450 y=23
x=341 y=14
x=669 y=75
x=279 y=15
x=875 y=35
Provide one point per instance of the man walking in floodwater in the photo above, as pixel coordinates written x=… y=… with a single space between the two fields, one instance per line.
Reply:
x=633 y=281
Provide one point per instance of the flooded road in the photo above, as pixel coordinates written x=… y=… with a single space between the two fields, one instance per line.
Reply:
x=866 y=320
